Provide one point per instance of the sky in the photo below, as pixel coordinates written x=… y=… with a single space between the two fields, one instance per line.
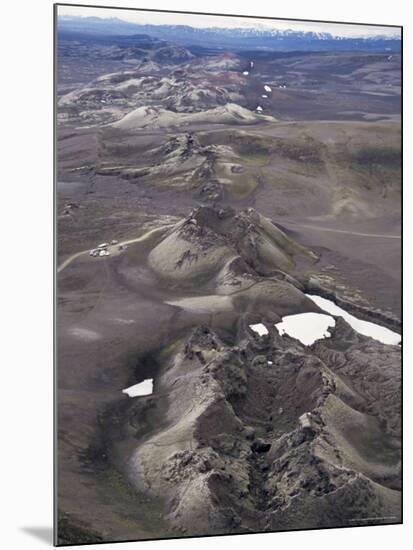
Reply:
x=154 y=18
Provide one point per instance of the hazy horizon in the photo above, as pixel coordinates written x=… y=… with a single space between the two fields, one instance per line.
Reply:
x=353 y=30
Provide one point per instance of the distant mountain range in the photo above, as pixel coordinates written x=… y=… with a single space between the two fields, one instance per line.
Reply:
x=237 y=38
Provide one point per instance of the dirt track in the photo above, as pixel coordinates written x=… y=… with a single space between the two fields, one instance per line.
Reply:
x=142 y=238
x=346 y=232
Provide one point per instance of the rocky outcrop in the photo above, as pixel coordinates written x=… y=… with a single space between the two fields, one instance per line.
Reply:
x=210 y=235
x=266 y=433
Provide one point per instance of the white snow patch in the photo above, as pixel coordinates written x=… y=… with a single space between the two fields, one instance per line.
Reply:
x=306 y=327
x=143 y=388
x=267 y=88
x=382 y=334
x=259 y=328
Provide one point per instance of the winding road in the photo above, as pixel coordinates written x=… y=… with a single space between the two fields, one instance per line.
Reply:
x=142 y=238
x=152 y=232
x=331 y=230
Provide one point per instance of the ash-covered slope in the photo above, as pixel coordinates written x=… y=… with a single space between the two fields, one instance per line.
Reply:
x=266 y=435
x=154 y=117
x=223 y=267
x=148 y=83
x=201 y=244
x=232 y=265
x=246 y=432
x=207 y=171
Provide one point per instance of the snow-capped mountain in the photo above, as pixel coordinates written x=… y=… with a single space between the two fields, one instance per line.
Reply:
x=260 y=36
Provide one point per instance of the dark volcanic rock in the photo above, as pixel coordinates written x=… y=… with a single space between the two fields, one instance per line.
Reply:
x=266 y=434
x=260 y=446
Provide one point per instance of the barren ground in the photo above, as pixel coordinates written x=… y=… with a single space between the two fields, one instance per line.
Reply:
x=229 y=218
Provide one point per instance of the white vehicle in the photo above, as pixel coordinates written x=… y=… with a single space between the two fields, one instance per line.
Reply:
x=114 y=241
x=245 y=73
x=259 y=108
x=267 y=88
x=104 y=252
x=103 y=245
